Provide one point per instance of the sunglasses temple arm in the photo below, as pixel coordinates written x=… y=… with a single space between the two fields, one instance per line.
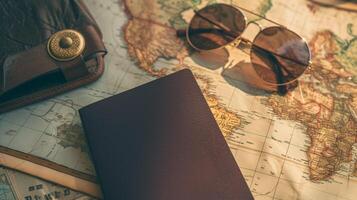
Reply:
x=282 y=66
x=275 y=54
x=274 y=59
x=182 y=32
x=261 y=16
x=277 y=69
x=220 y=25
x=271 y=55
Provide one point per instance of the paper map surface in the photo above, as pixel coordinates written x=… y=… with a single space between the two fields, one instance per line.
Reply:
x=299 y=146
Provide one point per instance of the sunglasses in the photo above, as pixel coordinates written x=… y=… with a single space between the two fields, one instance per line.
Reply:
x=278 y=55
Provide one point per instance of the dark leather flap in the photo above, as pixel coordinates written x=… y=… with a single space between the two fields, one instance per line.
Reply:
x=27 y=26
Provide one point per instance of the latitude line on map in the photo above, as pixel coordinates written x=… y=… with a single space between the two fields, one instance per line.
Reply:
x=21 y=127
x=278 y=157
x=282 y=166
x=236 y=144
x=122 y=79
x=260 y=155
x=292 y=182
x=43 y=132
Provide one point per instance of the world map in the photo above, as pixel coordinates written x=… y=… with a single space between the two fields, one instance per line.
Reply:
x=298 y=146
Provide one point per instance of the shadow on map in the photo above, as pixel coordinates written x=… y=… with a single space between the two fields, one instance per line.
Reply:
x=242 y=75
x=212 y=60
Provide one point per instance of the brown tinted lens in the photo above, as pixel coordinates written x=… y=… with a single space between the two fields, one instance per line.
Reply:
x=279 y=56
x=215 y=26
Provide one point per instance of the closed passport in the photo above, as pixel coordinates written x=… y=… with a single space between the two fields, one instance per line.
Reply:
x=160 y=141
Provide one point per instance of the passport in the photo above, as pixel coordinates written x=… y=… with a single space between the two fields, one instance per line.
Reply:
x=160 y=141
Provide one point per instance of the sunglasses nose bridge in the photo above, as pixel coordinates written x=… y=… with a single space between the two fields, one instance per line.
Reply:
x=255 y=23
x=236 y=42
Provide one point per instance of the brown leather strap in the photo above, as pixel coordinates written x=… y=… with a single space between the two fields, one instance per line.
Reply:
x=94 y=43
x=26 y=66
x=73 y=69
x=35 y=62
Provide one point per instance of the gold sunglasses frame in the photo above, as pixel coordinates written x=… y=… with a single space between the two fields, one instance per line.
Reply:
x=235 y=42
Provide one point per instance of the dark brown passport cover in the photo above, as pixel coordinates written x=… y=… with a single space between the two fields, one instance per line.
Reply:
x=160 y=141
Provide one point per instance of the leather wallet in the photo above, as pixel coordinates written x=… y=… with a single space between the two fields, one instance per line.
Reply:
x=160 y=141
x=46 y=48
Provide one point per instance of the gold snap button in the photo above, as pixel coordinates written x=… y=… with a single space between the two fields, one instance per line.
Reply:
x=66 y=45
x=66 y=42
